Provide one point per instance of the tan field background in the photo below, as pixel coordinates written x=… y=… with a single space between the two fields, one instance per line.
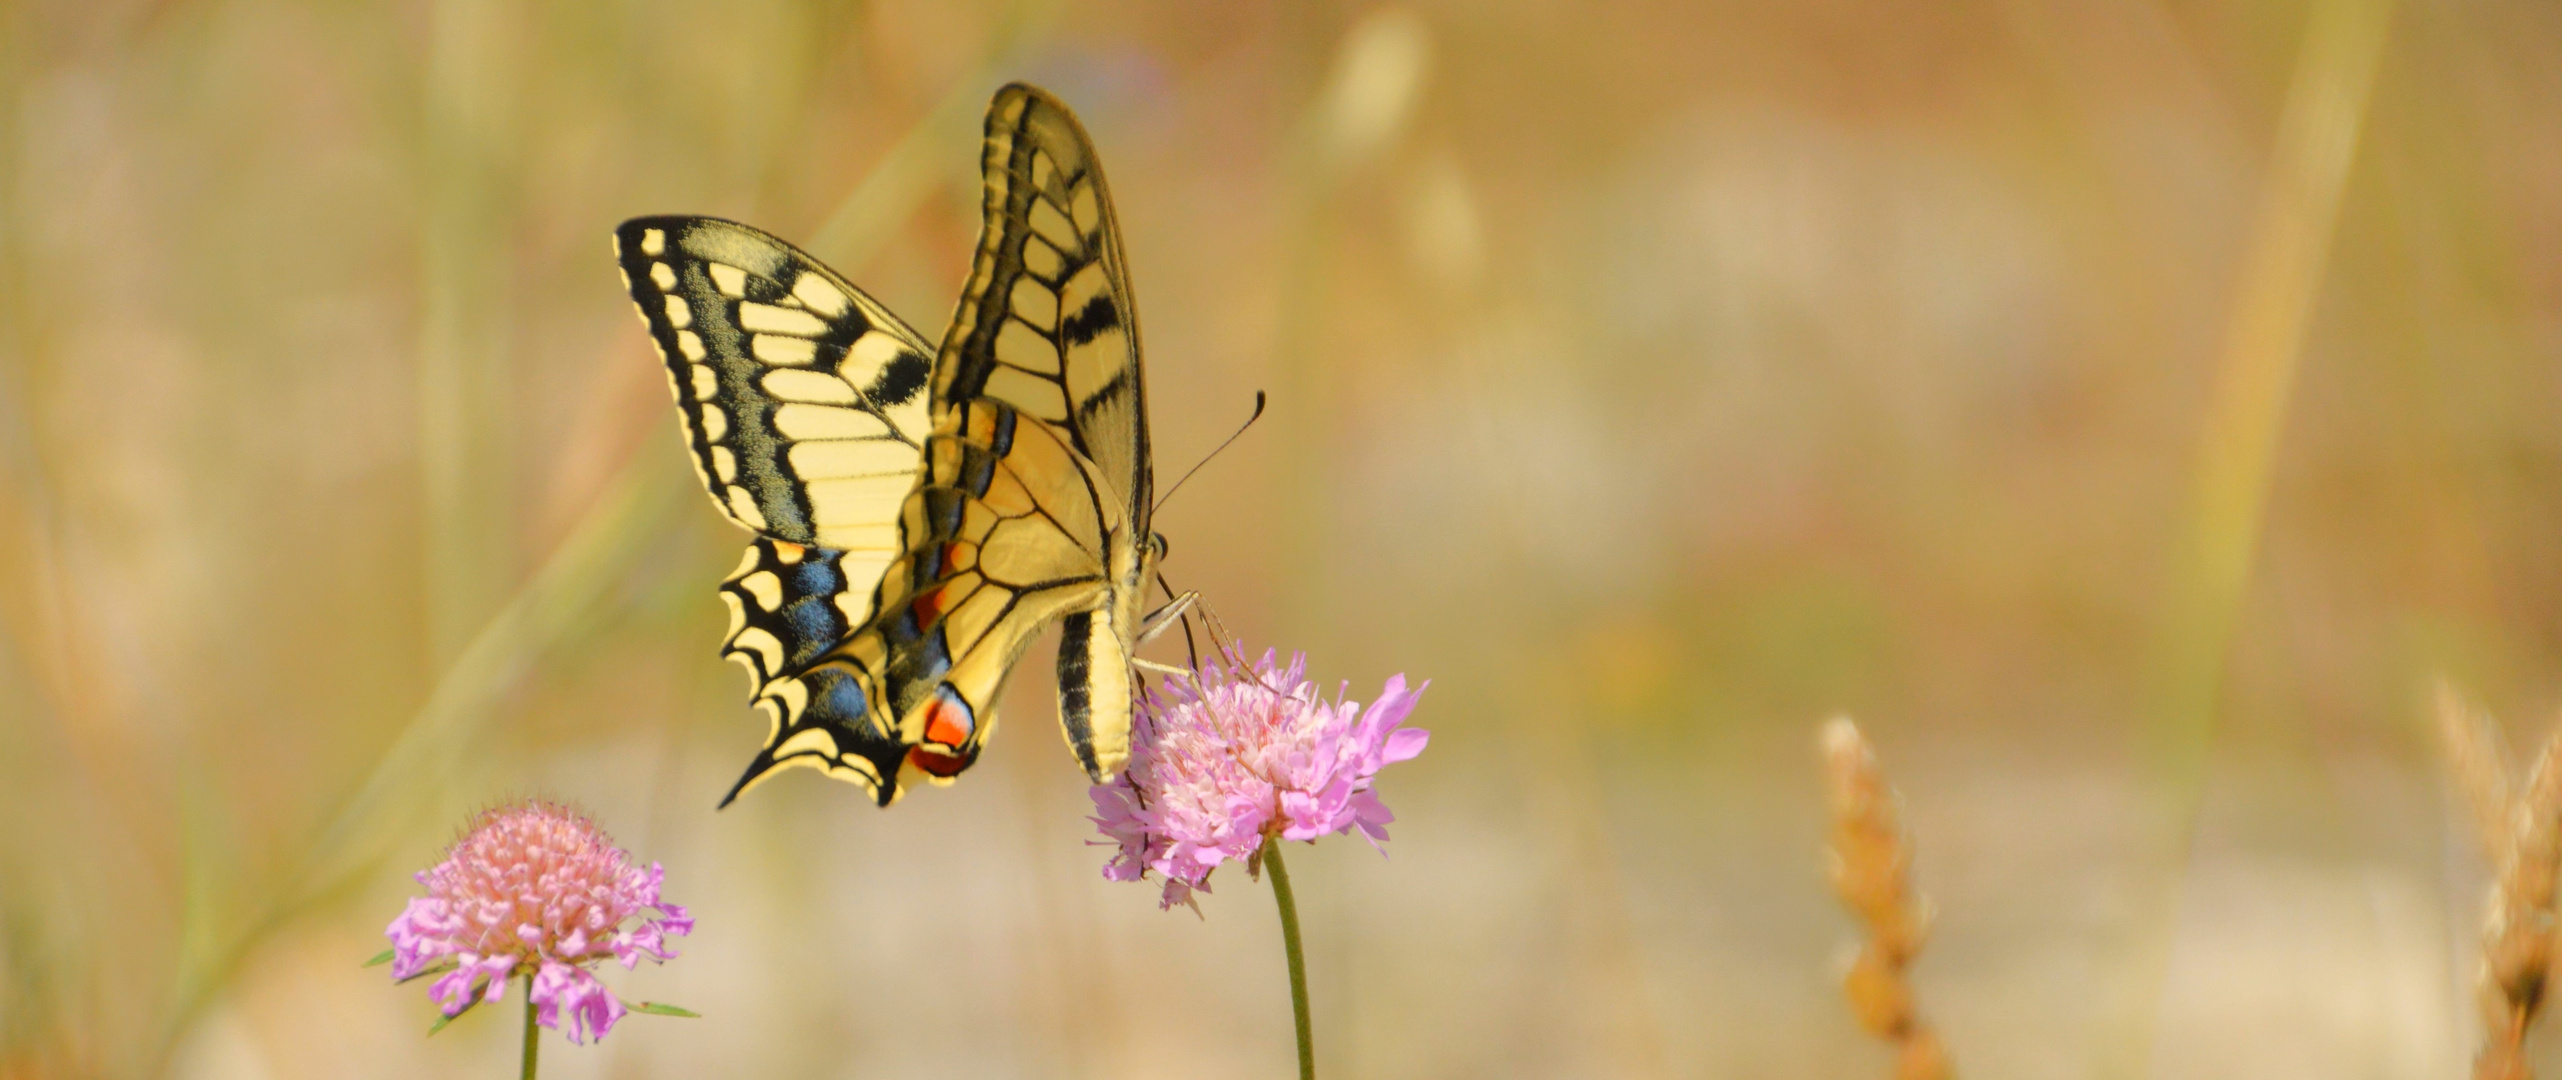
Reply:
x=2126 y=409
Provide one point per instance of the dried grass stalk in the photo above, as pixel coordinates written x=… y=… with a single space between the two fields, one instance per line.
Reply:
x=2479 y=758
x=2523 y=833
x=1871 y=858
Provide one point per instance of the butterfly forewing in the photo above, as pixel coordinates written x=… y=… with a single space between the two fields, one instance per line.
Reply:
x=1046 y=323
x=804 y=401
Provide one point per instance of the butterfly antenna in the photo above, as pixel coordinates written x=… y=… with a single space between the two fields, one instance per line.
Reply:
x=1196 y=467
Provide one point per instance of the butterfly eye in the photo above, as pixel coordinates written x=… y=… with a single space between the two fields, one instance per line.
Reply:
x=1157 y=540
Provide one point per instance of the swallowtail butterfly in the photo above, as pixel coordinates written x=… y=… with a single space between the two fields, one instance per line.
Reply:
x=918 y=521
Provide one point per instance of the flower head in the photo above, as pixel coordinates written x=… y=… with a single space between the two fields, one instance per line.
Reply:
x=1235 y=755
x=535 y=888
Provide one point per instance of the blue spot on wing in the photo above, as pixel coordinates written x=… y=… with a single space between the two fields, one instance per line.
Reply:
x=836 y=699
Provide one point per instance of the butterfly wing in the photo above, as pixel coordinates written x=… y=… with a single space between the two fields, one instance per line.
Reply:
x=788 y=605
x=1033 y=507
x=1051 y=328
x=803 y=400
x=1047 y=327
x=804 y=408
x=1046 y=323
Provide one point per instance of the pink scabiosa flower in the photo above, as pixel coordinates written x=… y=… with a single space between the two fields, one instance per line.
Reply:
x=1234 y=755
x=535 y=889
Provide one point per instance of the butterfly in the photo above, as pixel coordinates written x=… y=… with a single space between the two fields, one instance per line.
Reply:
x=919 y=521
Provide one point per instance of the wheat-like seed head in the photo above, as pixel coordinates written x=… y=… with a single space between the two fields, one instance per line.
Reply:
x=1872 y=857
x=2521 y=832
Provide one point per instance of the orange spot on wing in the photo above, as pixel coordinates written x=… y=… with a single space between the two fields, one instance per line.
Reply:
x=948 y=723
x=928 y=606
x=948 y=720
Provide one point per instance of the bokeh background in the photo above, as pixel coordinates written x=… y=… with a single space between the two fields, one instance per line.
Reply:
x=2127 y=409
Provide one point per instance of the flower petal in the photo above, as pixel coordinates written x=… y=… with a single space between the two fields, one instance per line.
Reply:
x=550 y=985
x=452 y=993
x=675 y=919
x=497 y=968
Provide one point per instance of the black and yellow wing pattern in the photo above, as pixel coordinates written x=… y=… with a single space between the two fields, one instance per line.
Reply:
x=1031 y=505
x=1047 y=330
x=803 y=403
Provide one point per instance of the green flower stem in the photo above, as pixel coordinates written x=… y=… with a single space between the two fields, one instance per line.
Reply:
x=530 y=1029
x=1289 y=942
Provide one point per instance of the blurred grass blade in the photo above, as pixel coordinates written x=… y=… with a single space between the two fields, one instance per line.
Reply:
x=470 y=136
x=422 y=973
x=939 y=145
x=2281 y=278
x=600 y=549
x=380 y=958
x=875 y=209
x=655 y=1008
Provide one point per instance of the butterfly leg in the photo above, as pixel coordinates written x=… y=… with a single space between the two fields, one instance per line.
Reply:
x=1159 y=620
x=1154 y=668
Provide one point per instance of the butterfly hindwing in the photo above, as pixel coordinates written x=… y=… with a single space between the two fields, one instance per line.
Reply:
x=804 y=401
x=1011 y=536
x=1001 y=548
x=788 y=605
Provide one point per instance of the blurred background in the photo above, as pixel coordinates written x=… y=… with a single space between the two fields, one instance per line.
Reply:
x=2126 y=409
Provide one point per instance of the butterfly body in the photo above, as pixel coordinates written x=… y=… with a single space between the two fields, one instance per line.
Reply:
x=918 y=534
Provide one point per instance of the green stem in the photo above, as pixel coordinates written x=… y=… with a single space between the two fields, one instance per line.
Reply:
x=530 y=1029
x=1298 y=958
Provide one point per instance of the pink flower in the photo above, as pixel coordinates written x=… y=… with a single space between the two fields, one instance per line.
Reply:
x=1241 y=755
x=535 y=888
